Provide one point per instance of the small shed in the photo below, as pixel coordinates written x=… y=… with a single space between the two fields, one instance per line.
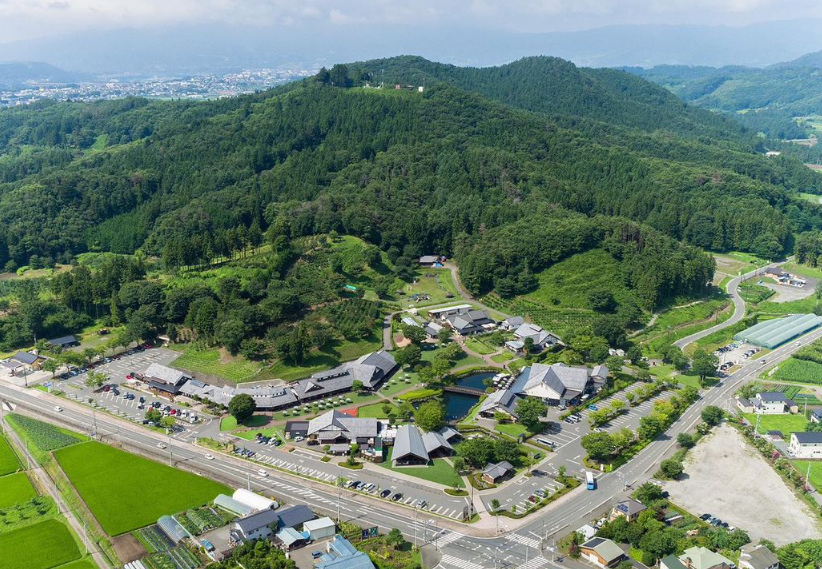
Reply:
x=289 y=538
x=319 y=528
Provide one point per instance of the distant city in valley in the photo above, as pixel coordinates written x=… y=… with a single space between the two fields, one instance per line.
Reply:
x=196 y=87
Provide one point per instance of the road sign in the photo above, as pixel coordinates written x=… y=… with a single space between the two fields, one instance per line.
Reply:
x=370 y=532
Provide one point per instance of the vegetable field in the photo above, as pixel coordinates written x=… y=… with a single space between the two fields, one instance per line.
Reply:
x=126 y=492
x=39 y=546
x=8 y=460
x=44 y=436
x=803 y=371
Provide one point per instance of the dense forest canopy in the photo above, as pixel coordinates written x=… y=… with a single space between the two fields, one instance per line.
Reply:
x=404 y=170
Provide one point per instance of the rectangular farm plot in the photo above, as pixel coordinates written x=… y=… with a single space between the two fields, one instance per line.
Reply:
x=15 y=489
x=126 y=492
x=44 y=436
x=8 y=460
x=39 y=546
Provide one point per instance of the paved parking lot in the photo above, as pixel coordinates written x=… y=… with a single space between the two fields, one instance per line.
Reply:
x=75 y=387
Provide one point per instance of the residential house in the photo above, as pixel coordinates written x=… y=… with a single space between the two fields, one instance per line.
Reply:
x=559 y=384
x=816 y=416
x=703 y=558
x=64 y=342
x=540 y=338
x=470 y=322
x=671 y=562
x=28 y=362
x=587 y=532
x=294 y=516
x=501 y=401
x=320 y=528
x=409 y=447
x=258 y=525
x=602 y=552
x=342 y=555
x=745 y=405
x=806 y=445
x=512 y=323
x=494 y=472
x=773 y=403
x=430 y=261
x=757 y=557
x=336 y=427
x=628 y=509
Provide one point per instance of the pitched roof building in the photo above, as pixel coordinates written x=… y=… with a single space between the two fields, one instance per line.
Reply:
x=559 y=383
x=336 y=427
x=470 y=322
x=757 y=557
x=703 y=558
x=409 y=447
x=371 y=369
x=494 y=471
x=601 y=551
x=502 y=400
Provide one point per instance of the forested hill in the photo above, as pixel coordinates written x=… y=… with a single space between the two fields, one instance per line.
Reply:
x=559 y=88
x=771 y=97
x=411 y=172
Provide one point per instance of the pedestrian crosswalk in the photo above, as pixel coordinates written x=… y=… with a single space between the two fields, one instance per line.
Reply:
x=534 y=563
x=448 y=537
x=449 y=562
x=523 y=540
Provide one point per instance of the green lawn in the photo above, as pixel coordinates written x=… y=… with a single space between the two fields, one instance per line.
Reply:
x=513 y=430
x=330 y=356
x=8 y=460
x=691 y=380
x=229 y=423
x=805 y=270
x=816 y=471
x=786 y=423
x=504 y=357
x=39 y=546
x=397 y=383
x=480 y=347
x=126 y=492
x=212 y=362
x=266 y=432
x=15 y=489
x=375 y=411
x=438 y=287
x=438 y=471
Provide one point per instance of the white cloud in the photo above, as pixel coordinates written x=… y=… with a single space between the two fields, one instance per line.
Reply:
x=21 y=19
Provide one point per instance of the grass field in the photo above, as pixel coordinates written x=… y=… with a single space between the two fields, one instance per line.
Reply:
x=375 y=411
x=803 y=371
x=815 y=477
x=754 y=293
x=8 y=460
x=438 y=286
x=15 y=489
x=513 y=430
x=804 y=270
x=126 y=492
x=438 y=471
x=39 y=546
x=479 y=346
x=330 y=356
x=229 y=423
x=85 y=563
x=803 y=306
x=213 y=362
x=785 y=423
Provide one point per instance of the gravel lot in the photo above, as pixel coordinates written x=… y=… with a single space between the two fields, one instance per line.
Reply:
x=729 y=479
x=787 y=293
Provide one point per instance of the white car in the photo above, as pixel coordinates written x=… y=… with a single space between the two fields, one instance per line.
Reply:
x=162 y=445
x=209 y=457
x=58 y=408
x=262 y=472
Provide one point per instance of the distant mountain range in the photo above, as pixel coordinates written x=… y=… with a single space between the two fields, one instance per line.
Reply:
x=206 y=49
x=16 y=74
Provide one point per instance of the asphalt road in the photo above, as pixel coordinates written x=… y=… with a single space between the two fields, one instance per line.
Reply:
x=520 y=543
x=739 y=306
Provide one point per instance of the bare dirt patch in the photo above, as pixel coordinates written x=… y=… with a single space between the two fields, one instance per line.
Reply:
x=127 y=547
x=726 y=477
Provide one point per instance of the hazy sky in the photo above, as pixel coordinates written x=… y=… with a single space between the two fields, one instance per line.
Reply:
x=23 y=19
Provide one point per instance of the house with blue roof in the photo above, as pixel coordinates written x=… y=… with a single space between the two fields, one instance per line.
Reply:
x=342 y=555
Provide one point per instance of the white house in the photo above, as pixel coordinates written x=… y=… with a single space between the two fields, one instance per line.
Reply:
x=772 y=403
x=540 y=337
x=806 y=445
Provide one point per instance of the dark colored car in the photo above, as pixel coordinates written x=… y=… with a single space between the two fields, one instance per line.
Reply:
x=397 y=497
x=385 y=493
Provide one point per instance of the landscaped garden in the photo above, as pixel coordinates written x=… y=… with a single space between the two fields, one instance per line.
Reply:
x=125 y=491
x=439 y=471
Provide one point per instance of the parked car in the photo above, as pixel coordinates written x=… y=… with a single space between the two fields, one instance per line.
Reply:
x=592 y=407
x=397 y=497
x=385 y=493
x=316 y=554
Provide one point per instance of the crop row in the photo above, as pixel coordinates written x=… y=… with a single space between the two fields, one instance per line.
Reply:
x=45 y=436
